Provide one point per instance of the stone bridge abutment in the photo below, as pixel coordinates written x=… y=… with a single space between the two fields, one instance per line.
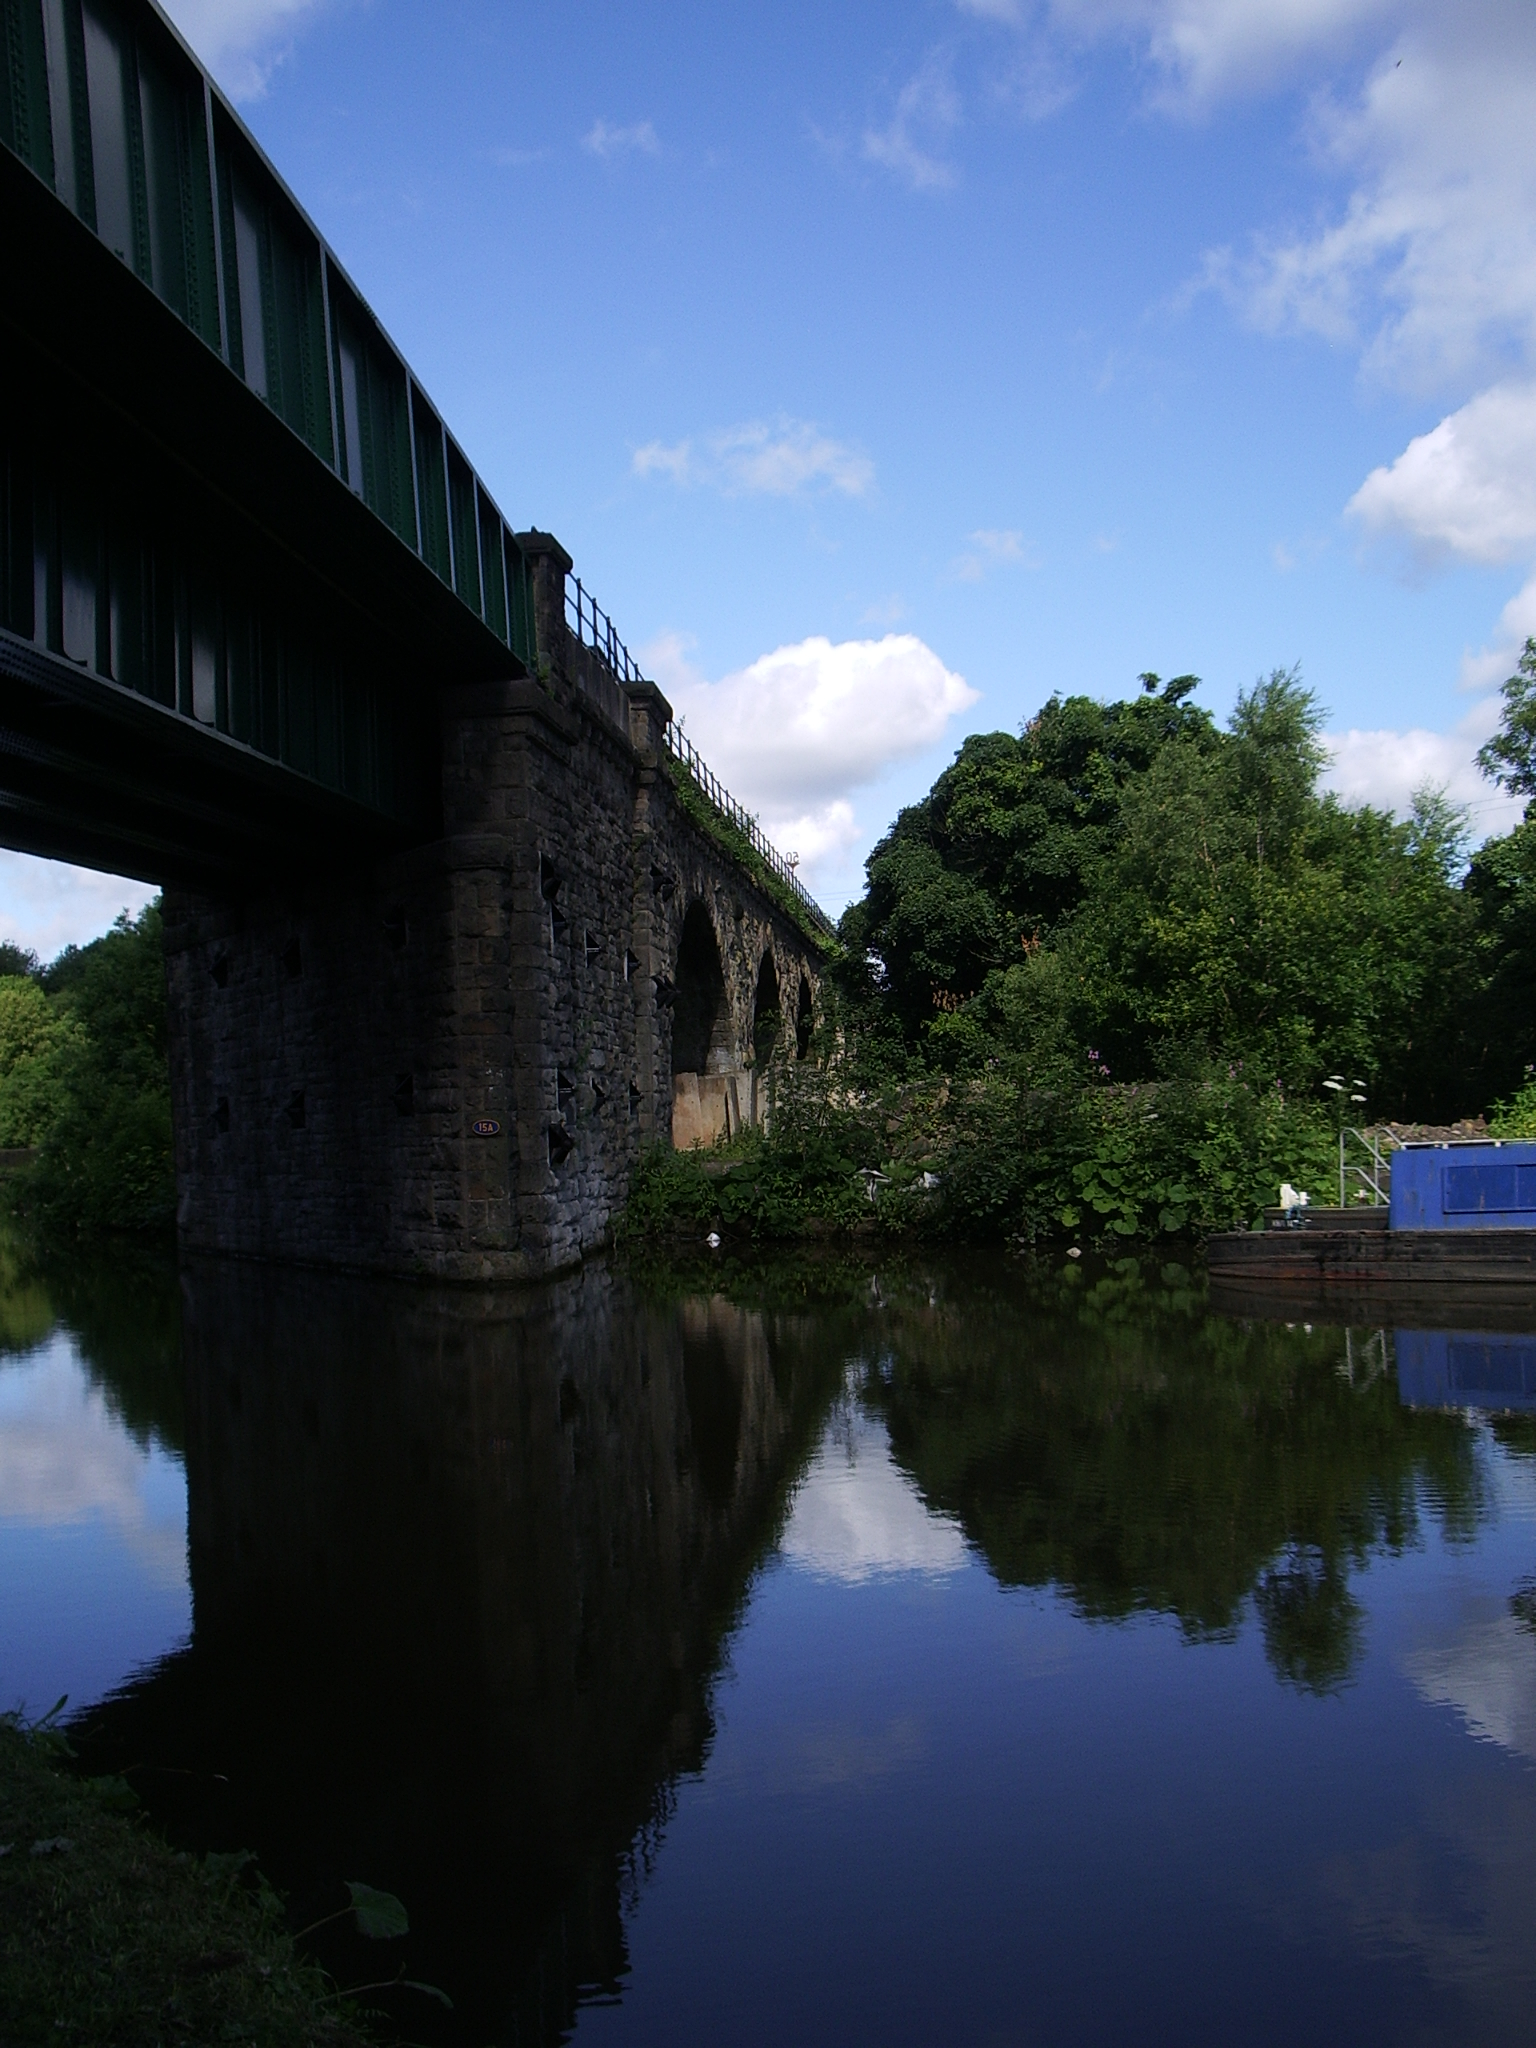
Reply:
x=449 y=1061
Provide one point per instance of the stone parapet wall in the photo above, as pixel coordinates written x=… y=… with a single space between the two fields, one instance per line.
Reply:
x=449 y=1064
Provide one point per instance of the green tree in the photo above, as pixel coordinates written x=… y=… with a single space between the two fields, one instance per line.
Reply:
x=1509 y=758
x=104 y=1116
x=999 y=855
x=1126 y=891
x=38 y=1043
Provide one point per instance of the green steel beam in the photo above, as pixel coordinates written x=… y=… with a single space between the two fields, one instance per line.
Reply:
x=111 y=112
x=224 y=499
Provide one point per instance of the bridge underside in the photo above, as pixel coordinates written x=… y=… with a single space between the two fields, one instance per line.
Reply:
x=213 y=659
x=265 y=638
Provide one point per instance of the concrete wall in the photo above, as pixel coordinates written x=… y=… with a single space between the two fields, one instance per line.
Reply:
x=448 y=1064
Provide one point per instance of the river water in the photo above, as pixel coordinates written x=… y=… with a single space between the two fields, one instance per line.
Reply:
x=925 y=1650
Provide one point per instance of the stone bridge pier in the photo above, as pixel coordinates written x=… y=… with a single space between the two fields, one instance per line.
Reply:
x=448 y=1062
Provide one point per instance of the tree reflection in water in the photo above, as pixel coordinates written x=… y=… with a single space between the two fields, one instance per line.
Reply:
x=1105 y=1433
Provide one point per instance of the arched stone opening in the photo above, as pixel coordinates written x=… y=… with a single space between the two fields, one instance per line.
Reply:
x=700 y=1018
x=803 y=1020
x=705 y=1098
x=767 y=1016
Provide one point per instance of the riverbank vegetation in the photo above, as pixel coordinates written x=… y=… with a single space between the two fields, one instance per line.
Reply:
x=107 y=1934
x=84 y=1089
x=1123 y=973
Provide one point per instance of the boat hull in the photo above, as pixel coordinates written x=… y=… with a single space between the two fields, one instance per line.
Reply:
x=1460 y=1268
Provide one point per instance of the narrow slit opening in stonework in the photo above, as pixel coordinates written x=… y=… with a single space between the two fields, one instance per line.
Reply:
x=295 y=1110
x=561 y=1144
x=221 y=1114
x=220 y=970
x=405 y=1094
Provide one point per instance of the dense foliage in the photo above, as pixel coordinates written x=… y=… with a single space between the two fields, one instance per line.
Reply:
x=83 y=1080
x=1128 y=892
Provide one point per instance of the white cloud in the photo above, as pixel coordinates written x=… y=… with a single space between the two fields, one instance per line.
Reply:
x=927 y=108
x=1205 y=50
x=806 y=724
x=993 y=548
x=1007 y=11
x=1466 y=488
x=796 y=733
x=657 y=459
x=1489 y=666
x=1419 y=119
x=775 y=459
x=1384 y=767
x=241 y=41
x=818 y=838
x=856 y=1516
x=1430 y=265
x=605 y=139
x=46 y=905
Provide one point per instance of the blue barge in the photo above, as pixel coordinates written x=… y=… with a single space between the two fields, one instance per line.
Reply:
x=1460 y=1215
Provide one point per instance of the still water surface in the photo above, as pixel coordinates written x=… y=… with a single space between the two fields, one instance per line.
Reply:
x=945 y=1651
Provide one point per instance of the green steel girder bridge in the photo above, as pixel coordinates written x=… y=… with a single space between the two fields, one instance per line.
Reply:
x=240 y=555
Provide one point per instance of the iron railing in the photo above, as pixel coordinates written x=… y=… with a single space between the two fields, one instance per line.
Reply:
x=593 y=628
x=687 y=756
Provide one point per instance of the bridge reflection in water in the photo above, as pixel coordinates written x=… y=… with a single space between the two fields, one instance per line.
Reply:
x=462 y=1564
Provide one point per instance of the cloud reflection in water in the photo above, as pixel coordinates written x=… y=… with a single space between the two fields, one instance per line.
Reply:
x=856 y=1516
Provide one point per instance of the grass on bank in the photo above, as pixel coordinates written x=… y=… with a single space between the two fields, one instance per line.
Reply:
x=106 y=1934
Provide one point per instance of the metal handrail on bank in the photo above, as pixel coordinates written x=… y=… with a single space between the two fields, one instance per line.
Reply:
x=1365 y=1166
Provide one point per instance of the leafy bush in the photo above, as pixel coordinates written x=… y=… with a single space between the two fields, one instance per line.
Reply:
x=984 y=1158
x=39 y=1045
x=1516 y=1118
x=83 y=1076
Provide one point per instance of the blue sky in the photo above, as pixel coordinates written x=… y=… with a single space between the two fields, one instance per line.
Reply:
x=887 y=368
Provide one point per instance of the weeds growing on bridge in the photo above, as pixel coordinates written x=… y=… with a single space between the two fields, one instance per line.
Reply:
x=734 y=842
